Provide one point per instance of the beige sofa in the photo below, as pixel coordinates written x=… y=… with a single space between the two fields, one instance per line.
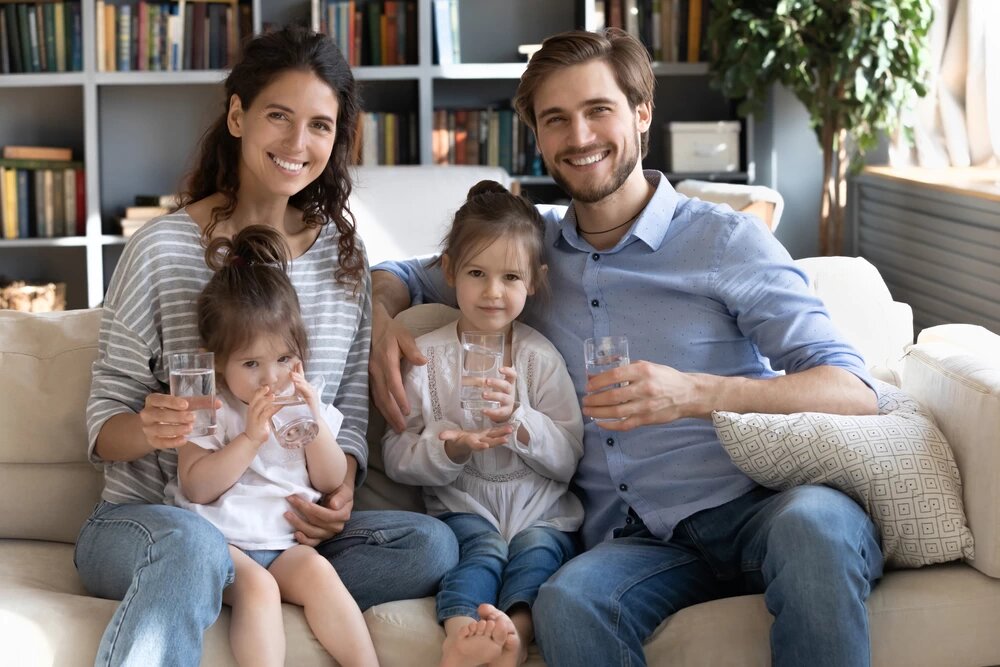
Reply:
x=937 y=616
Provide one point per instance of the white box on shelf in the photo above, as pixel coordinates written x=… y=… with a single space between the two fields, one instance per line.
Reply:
x=697 y=147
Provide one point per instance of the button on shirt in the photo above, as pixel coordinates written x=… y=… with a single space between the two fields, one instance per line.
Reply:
x=694 y=286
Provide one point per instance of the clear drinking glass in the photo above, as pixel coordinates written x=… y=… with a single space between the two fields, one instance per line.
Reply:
x=192 y=377
x=605 y=354
x=293 y=425
x=482 y=356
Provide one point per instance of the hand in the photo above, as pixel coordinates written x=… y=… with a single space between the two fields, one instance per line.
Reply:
x=503 y=391
x=654 y=394
x=304 y=389
x=460 y=444
x=259 y=414
x=166 y=421
x=391 y=341
x=318 y=522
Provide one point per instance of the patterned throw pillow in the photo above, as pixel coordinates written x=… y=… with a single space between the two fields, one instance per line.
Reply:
x=896 y=465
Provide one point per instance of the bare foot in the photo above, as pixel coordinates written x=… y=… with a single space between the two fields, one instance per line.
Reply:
x=515 y=651
x=478 y=643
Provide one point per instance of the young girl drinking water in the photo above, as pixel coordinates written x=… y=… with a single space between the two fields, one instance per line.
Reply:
x=240 y=477
x=498 y=478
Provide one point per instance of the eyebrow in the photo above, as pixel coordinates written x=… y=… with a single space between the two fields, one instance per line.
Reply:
x=586 y=103
x=292 y=111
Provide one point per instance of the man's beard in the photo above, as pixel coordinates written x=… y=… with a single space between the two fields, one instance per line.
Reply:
x=590 y=194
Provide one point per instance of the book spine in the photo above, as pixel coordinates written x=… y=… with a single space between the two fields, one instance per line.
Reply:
x=49 y=230
x=36 y=153
x=47 y=25
x=40 y=164
x=23 y=200
x=34 y=48
x=43 y=55
x=59 y=19
x=11 y=226
x=58 y=203
x=81 y=202
x=4 y=44
x=77 y=36
x=14 y=38
x=69 y=202
x=124 y=61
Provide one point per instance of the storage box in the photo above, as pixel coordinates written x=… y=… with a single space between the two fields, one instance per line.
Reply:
x=701 y=147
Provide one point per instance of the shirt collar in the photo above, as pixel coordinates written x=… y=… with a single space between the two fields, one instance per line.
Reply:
x=650 y=227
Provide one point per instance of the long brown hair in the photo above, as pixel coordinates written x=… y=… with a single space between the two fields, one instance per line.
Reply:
x=325 y=199
x=250 y=294
x=627 y=57
x=490 y=212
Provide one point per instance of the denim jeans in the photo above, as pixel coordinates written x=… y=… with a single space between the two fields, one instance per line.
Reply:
x=169 y=566
x=811 y=550
x=490 y=570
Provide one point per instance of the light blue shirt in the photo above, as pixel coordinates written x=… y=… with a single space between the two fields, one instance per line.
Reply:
x=694 y=286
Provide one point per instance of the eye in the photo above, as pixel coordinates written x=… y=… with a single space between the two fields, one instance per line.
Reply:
x=322 y=127
x=552 y=120
x=250 y=364
x=277 y=115
x=512 y=276
x=285 y=359
x=601 y=110
x=476 y=273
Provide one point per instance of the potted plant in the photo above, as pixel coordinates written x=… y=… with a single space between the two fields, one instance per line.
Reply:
x=852 y=63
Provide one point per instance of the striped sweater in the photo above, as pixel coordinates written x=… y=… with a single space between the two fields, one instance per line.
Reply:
x=149 y=313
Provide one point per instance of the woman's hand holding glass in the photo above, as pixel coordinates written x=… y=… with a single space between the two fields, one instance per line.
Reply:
x=501 y=391
x=166 y=421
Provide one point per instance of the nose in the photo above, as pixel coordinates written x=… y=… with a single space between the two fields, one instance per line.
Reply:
x=493 y=289
x=581 y=133
x=269 y=375
x=295 y=138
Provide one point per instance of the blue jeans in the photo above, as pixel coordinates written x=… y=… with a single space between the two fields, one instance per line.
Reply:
x=811 y=550
x=169 y=566
x=490 y=570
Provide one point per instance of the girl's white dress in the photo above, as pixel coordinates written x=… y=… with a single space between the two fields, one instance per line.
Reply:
x=251 y=513
x=514 y=486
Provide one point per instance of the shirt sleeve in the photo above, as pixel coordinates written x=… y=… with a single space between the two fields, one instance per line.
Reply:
x=774 y=308
x=426 y=283
x=554 y=423
x=417 y=455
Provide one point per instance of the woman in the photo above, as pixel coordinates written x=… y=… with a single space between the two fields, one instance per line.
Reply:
x=276 y=156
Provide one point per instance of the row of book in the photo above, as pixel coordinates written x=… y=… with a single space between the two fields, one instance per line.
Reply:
x=376 y=32
x=40 y=37
x=42 y=198
x=387 y=138
x=157 y=37
x=672 y=30
x=491 y=136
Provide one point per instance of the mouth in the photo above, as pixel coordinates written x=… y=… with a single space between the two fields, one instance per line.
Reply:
x=287 y=165
x=587 y=160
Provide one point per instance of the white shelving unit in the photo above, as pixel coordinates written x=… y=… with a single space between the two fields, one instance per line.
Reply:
x=136 y=131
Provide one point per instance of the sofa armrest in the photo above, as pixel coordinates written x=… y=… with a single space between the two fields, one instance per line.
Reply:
x=955 y=373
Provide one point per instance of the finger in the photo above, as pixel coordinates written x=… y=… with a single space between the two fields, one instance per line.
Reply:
x=509 y=373
x=166 y=402
x=309 y=530
x=153 y=416
x=392 y=377
x=302 y=538
x=408 y=347
x=317 y=515
x=611 y=377
x=450 y=435
x=168 y=431
x=166 y=443
x=386 y=404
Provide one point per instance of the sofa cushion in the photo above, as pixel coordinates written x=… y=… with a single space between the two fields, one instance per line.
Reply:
x=957 y=375
x=47 y=487
x=897 y=465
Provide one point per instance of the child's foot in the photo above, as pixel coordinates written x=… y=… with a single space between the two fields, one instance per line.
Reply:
x=514 y=651
x=477 y=643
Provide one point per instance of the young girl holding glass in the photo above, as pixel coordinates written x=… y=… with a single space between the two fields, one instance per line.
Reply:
x=499 y=478
x=240 y=477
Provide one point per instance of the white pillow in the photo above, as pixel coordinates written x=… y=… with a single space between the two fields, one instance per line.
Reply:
x=897 y=465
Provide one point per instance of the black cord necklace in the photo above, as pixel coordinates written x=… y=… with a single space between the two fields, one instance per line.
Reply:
x=605 y=231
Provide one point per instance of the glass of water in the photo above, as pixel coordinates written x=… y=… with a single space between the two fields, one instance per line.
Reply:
x=482 y=356
x=605 y=354
x=293 y=425
x=192 y=377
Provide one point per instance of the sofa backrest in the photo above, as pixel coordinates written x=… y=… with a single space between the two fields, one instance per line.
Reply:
x=47 y=487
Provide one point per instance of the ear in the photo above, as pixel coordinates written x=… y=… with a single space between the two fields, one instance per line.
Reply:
x=537 y=280
x=643 y=116
x=234 y=119
x=446 y=267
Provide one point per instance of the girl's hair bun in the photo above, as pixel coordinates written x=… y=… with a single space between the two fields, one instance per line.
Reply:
x=255 y=245
x=485 y=187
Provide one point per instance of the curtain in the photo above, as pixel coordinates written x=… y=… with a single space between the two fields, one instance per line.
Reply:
x=958 y=122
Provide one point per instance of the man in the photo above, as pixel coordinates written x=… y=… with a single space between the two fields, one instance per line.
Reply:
x=713 y=307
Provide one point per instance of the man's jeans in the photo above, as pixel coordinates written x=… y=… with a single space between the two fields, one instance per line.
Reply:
x=490 y=570
x=811 y=550
x=169 y=566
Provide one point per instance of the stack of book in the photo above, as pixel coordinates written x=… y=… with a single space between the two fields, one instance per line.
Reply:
x=490 y=136
x=40 y=37
x=373 y=32
x=146 y=208
x=672 y=30
x=387 y=138
x=42 y=191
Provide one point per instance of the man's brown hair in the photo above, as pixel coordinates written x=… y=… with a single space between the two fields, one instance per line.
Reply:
x=627 y=57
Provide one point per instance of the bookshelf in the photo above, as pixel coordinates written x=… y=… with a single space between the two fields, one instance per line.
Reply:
x=136 y=131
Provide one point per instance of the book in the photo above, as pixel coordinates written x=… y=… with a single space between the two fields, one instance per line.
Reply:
x=37 y=153
x=14 y=38
x=81 y=202
x=23 y=201
x=146 y=212
x=59 y=19
x=4 y=44
x=47 y=25
x=38 y=210
x=69 y=202
x=41 y=164
x=75 y=21
x=171 y=202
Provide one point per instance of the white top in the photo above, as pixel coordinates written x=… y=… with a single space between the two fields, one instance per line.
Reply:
x=251 y=513
x=514 y=486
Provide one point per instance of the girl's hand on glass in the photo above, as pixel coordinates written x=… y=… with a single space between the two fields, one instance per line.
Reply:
x=259 y=414
x=166 y=421
x=503 y=392
x=303 y=388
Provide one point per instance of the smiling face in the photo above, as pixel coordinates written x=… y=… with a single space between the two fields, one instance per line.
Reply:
x=491 y=286
x=587 y=134
x=287 y=133
x=268 y=360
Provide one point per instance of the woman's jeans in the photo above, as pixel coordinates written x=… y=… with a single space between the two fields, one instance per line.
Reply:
x=490 y=570
x=169 y=566
x=811 y=551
